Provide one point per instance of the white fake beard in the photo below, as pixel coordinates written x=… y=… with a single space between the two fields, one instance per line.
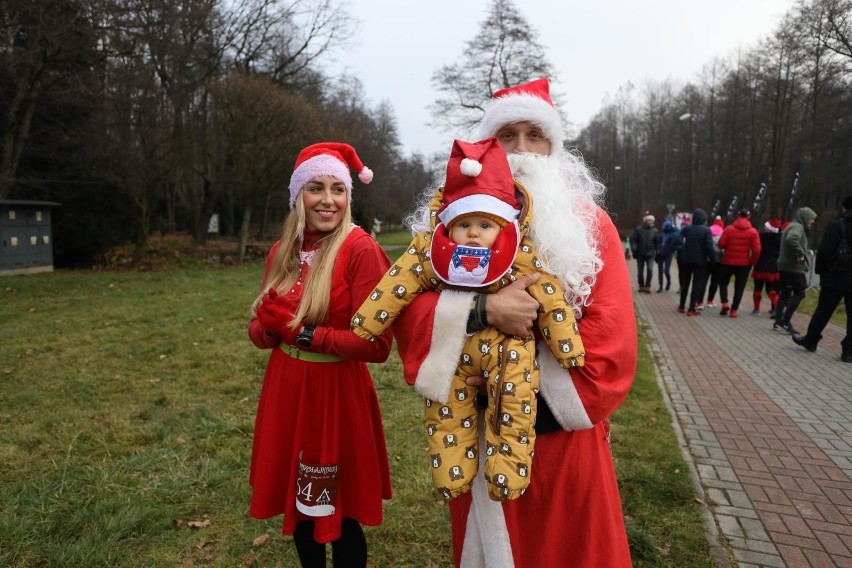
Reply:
x=563 y=219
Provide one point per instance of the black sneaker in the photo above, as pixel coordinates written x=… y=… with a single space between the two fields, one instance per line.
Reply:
x=805 y=342
x=785 y=327
x=846 y=357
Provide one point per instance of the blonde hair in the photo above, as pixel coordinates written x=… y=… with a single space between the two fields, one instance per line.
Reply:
x=286 y=267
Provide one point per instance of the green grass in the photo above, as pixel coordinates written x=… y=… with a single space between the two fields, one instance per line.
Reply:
x=127 y=404
x=809 y=304
x=395 y=239
x=662 y=514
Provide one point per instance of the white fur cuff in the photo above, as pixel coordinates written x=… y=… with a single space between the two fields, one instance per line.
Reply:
x=448 y=338
x=559 y=391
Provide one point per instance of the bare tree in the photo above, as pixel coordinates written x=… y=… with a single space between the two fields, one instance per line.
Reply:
x=504 y=53
x=283 y=40
x=835 y=29
x=43 y=47
x=264 y=127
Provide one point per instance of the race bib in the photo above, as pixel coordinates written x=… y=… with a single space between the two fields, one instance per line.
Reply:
x=316 y=489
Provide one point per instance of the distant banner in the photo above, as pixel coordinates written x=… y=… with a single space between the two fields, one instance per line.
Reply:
x=735 y=201
x=683 y=218
x=717 y=206
x=758 y=198
x=794 y=196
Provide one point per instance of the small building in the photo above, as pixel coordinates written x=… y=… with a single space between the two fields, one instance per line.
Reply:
x=26 y=242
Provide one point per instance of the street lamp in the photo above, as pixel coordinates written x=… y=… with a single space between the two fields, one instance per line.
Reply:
x=687 y=117
x=618 y=185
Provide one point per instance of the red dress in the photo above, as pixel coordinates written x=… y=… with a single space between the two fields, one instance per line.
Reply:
x=325 y=413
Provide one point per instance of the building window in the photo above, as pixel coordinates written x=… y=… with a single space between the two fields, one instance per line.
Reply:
x=38 y=216
x=46 y=239
x=33 y=240
x=14 y=241
x=11 y=214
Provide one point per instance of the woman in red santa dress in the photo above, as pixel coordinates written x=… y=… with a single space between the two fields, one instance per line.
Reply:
x=319 y=455
x=571 y=514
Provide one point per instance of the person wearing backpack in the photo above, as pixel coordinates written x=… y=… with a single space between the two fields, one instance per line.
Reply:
x=835 y=275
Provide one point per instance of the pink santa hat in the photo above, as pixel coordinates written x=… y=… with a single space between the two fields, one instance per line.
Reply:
x=527 y=102
x=327 y=159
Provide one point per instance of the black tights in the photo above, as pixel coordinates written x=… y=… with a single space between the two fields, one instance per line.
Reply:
x=348 y=551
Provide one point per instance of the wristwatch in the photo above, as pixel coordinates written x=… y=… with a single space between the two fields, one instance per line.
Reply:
x=306 y=336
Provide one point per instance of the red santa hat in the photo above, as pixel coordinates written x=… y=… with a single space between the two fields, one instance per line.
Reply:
x=773 y=225
x=327 y=159
x=529 y=102
x=479 y=181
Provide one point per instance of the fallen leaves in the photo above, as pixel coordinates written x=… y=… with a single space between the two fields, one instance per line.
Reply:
x=192 y=524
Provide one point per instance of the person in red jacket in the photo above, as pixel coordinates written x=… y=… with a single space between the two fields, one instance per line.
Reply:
x=319 y=455
x=570 y=515
x=740 y=244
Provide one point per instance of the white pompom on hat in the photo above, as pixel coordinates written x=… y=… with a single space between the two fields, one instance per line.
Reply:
x=478 y=181
x=528 y=102
x=327 y=159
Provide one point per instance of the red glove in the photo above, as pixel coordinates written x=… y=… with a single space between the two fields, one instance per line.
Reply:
x=276 y=319
x=285 y=301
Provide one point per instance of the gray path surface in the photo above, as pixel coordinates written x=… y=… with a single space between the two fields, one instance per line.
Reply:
x=767 y=427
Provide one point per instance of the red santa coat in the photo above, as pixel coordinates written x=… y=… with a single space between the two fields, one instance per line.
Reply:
x=572 y=504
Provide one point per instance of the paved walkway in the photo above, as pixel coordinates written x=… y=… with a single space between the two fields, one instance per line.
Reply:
x=767 y=427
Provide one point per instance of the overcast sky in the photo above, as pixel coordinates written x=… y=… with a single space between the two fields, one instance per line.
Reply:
x=595 y=48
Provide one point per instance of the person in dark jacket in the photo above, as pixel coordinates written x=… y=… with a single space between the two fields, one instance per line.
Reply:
x=794 y=265
x=834 y=285
x=671 y=242
x=645 y=245
x=765 y=272
x=740 y=244
x=692 y=261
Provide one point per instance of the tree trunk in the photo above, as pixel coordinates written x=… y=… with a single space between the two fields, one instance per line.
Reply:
x=244 y=231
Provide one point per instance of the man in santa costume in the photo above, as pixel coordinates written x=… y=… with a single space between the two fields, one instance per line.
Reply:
x=571 y=513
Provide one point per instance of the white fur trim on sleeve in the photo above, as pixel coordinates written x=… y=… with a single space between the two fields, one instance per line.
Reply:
x=448 y=336
x=559 y=391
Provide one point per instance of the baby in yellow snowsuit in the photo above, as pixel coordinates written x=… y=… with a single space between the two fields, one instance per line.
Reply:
x=482 y=242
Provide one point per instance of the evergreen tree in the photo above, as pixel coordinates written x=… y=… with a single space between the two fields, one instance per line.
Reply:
x=504 y=53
